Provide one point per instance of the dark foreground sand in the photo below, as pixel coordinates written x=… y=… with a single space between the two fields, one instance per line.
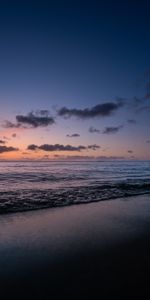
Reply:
x=93 y=251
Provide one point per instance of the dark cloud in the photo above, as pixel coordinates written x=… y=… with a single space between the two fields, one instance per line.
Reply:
x=100 y=110
x=132 y=121
x=112 y=130
x=7 y=149
x=56 y=147
x=93 y=130
x=130 y=151
x=40 y=118
x=14 y=135
x=73 y=135
x=2 y=142
x=32 y=147
x=148 y=141
x=59 y=147
x=93 y=147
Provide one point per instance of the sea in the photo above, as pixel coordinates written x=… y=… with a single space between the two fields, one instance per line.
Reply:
x=28 y=185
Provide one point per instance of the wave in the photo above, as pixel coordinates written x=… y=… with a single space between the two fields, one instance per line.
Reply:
x=30 y=199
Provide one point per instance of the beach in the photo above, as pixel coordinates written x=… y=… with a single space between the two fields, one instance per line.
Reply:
x=77 y=251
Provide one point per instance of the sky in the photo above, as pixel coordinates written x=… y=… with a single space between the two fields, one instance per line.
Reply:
x=74 y=79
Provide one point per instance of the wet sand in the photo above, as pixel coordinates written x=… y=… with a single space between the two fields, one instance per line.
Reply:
x=77 y=252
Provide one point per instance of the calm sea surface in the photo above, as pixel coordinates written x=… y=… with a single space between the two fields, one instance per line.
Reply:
x=32 y=185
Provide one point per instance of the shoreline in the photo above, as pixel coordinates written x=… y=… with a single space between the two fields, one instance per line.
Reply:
x=13 y=209
x=76 y=251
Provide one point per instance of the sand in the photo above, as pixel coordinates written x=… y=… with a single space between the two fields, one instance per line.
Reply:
x=94 y=250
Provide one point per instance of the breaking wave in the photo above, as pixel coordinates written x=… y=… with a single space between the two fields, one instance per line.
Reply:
x=13 y=201
x=34 y=185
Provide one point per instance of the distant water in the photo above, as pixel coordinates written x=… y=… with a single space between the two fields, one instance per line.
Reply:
x=32 y=185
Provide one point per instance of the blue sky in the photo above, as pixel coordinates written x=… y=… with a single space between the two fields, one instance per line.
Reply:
x=75 y=54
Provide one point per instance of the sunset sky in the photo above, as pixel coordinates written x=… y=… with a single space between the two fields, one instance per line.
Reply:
x=74 y=79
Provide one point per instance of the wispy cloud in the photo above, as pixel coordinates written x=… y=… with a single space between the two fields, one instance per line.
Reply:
x=112 y=130
x=8 y=124
x=100 y=110
x=73 y=135
x=2 y=142
x=94 y=130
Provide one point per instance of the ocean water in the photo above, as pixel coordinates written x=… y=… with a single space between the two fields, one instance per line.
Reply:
x=33 y=185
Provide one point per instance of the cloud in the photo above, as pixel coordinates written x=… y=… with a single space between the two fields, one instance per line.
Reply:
x=93 y=130
x=40 y=119
x=148 y=141
x=130 y=151
x=59 y=147
x=7 y=149
x=32 y=147
x=93 y=147
x=56 y=147
x=14 y=135
x=132 y=121
x=100 y=110
x=36 y=119
x=112 y=130
x=73 y=135
x=2 y=142
x=8 y=124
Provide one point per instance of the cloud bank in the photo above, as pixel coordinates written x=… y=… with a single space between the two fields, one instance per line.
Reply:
x=60 y=147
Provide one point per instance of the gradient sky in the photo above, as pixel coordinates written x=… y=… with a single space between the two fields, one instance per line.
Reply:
x=74 y=73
